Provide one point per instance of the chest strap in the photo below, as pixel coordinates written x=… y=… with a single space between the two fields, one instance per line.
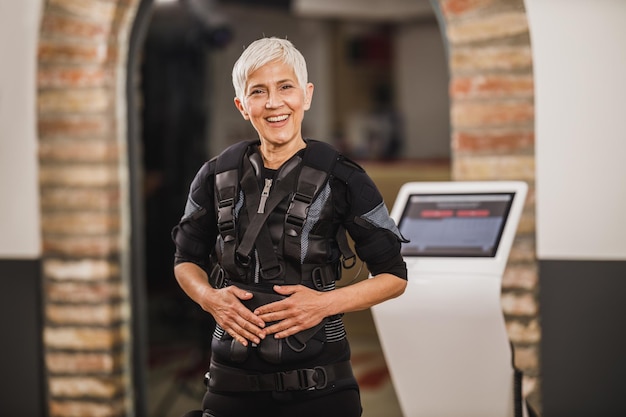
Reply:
x=257 y=234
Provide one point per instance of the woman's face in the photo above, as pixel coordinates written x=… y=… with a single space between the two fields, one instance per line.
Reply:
x=274 y=103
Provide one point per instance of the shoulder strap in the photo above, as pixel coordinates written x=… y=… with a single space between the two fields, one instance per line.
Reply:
x=318 y=162
x=318 y=165
x=230 y=158
x=227 y=166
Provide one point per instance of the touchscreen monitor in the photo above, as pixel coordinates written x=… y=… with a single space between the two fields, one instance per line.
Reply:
x=454 y=225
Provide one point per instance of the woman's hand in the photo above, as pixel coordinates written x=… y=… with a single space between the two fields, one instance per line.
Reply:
x=302 y=309
x=305 y=307
x=226 y=308
x=223 y=304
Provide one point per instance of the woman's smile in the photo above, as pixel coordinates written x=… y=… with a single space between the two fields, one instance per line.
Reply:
x=276 y=119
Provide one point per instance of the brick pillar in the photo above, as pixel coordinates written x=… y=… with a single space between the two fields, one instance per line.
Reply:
x=492 y=118
x=87 y=331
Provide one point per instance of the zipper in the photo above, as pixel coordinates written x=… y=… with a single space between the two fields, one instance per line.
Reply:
x=264 y=194
x=257 y=268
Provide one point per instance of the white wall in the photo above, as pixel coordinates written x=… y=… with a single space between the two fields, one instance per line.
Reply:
x=19 y=195
x=579 y=56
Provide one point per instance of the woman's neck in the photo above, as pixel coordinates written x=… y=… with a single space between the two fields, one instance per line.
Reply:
x=275 y=156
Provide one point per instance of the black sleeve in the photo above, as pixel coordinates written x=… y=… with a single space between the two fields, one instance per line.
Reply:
x=195 y=234
x=366 y=218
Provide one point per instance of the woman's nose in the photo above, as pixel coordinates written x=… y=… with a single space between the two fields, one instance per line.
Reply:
x=273 y=101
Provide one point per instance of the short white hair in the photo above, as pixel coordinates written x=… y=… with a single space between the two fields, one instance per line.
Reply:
x=263 y=51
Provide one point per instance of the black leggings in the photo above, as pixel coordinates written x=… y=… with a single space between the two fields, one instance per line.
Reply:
x=336 y=403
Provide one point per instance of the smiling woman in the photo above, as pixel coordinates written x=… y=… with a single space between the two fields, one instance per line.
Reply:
x=280 y=340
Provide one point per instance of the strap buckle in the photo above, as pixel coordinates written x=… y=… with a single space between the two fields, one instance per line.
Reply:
x=302 y=379
x=242 y=260
x=217 y=276
x=226 y=227
x=297 y=212
x=348 y=262
x=320 y=278
x=272 y=272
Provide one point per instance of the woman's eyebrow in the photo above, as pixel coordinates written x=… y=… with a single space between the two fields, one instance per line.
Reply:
x=261 y=85
x=258 y=85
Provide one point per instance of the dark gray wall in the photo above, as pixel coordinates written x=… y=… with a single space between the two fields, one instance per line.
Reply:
x=21 y=356
x=583 y=347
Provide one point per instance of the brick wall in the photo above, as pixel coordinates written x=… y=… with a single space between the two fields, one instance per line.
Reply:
x=81 y=151
x=492 y=117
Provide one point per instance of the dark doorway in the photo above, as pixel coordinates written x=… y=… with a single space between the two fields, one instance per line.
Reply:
x=173 y=83
x=173 y=87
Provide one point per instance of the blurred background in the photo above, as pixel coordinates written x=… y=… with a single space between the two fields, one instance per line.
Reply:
x=107 y=108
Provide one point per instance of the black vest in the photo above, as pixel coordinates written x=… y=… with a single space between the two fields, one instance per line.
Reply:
x=283 y=233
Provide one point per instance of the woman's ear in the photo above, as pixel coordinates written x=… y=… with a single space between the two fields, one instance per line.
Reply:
x=308 y=95
x=241 y=108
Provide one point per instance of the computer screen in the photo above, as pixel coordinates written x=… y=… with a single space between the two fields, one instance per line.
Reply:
x=454 y=225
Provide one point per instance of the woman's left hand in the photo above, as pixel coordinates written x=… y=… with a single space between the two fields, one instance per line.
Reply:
x=302 y=309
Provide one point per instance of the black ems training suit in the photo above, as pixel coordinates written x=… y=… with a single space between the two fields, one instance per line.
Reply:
x=254 y=227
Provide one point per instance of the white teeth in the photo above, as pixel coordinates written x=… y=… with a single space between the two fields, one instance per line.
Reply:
x=277 y=118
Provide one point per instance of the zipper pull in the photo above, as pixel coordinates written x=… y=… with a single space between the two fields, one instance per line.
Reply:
x=264 y=194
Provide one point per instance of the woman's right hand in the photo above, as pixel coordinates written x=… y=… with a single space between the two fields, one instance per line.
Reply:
x=226 y=307
x=223 y=304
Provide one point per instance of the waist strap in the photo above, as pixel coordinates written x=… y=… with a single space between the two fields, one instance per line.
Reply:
x=221 y=378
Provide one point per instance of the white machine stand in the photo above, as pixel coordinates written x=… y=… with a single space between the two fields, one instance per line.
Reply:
x=444 y=339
